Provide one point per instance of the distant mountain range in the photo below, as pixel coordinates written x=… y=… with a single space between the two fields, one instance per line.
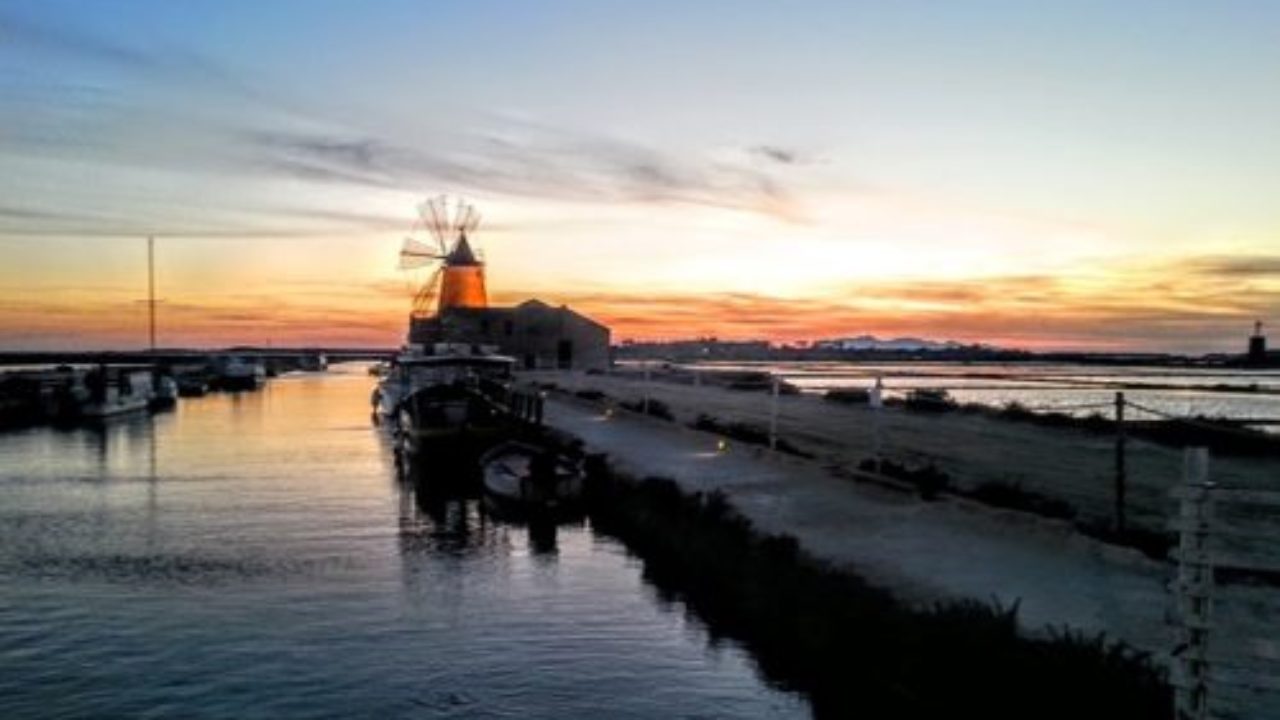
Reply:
x=870 y=342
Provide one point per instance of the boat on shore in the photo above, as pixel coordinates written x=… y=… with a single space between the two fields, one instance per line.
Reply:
x=525 y=480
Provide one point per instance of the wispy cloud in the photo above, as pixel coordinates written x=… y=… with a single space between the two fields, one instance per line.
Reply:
x=60 y=40
x=1237 y=267
x=529 y=162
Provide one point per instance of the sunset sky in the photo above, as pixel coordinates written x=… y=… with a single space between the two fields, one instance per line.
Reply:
x=1097 y=175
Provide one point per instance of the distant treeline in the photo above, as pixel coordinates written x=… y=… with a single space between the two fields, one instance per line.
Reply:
x=765 y=352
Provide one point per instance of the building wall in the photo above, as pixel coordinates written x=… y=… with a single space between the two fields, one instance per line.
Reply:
x=536 y=334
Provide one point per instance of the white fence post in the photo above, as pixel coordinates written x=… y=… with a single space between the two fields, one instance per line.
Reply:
x=1194 y=588
x=875 y=398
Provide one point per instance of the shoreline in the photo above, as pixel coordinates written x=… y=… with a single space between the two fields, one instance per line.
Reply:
x=848 y=645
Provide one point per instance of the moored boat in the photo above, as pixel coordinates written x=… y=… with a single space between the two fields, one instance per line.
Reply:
x=523 y=479
x=444 y=364
x=443 y=403
x=232 y=372
x=115 y=391
x=164 y=394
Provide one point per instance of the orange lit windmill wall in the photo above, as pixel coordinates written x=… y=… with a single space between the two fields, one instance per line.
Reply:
x=462 y=282
x=462 y=286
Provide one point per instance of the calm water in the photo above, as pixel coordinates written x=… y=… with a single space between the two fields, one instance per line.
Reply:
x=255 y=556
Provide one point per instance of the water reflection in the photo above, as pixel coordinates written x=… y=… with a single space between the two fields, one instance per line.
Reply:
x=445 y=505
x=263 y=555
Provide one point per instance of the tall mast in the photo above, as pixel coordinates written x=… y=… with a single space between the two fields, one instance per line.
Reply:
x=151 y=290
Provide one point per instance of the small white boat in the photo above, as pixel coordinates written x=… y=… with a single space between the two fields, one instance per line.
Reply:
x=164 y=394
x=116 y=392
x=232 y=372
x=525 y=479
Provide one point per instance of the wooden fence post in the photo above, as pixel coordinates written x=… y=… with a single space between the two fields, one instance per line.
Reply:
x=1194 y=588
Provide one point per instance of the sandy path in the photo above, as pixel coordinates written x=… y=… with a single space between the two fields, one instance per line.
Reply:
x=948 y=549
x=1071 y=465
x=922 y=551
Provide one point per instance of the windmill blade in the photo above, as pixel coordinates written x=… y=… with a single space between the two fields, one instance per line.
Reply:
x=439 y=207
x=416 y=247
x=472 y=222
x=425 y=219
x=423 y=299
x=416 y=254
x=464 y=224
x=460 y=217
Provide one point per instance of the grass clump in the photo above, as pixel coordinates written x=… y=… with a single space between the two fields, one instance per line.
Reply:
x=744 y=432
x=591 y=394
x=1015 y=497
x=848 y=396
x=927 y=479
x=656 y=408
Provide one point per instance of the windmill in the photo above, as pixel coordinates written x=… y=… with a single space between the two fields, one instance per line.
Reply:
x=458 y=280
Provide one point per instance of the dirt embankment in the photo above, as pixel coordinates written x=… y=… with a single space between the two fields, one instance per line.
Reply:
x=1070 y=465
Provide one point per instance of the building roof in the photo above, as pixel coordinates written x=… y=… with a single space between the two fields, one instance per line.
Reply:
x=528 y=306
x=462 y=254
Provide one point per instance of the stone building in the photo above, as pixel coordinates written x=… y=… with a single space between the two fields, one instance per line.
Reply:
x=453 y=305
x=537 y=335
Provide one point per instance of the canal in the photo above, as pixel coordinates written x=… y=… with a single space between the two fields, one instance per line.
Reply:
x=258 y=556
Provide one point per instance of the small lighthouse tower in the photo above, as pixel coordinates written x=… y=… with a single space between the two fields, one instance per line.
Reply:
x=1257 y=346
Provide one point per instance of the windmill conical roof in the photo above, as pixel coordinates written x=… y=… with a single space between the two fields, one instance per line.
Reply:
x=462 y=254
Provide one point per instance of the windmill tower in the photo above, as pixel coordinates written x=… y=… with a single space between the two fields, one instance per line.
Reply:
x=458 y=282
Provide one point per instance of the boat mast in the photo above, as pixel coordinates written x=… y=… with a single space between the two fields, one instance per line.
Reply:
x=151 y=291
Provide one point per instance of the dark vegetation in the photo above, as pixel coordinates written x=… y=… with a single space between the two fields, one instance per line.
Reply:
x=849 y=647
x=927 y=479
x=745 y=432
x=1155 y=544
x=1016 y=497
x=656 y=408
x=848 y=396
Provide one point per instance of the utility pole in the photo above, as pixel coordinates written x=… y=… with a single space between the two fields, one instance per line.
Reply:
x=151 y=291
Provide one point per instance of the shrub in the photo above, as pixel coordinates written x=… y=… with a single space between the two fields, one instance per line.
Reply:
x=1015 y=497
x=657 y=408
x=928 y=479
x=850 y=396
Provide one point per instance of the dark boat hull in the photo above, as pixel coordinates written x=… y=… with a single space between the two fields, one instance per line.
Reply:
x=513 y=489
